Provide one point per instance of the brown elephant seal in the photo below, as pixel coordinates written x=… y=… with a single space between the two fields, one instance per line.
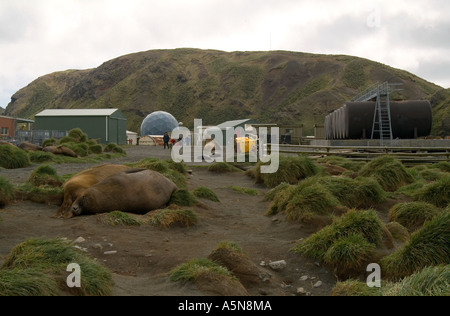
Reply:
x=136 y=191
x=30 y=147
x=60 y=150
x=78 y=184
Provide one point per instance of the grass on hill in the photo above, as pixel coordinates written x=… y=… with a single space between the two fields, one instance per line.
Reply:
x=437 y=193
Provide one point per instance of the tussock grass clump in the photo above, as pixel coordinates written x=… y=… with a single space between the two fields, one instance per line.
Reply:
x=389 y=172
x=168 y=218
x=364 y=223
x=348 y=255
x=355 y=288
x=432 y=281
x=443 y=166
x=194 y=268
x=245 y=191
x=205 y=193
x=176 y=172
x=437 y=193
x=114 y=148
x=412 y=215
x=429 y=246
x=303 y=201
x=183 y=197
x=291 y=170
x=398 y=231
x=13 y=158
x=343 y=162
x=7 y=191
x=118 y=218
x=43 y=263
x=41 y=156
x=45 y=175
x=230 y=245
x=49 y=142
x=355 y=193
x=28 y=282
x=223 y=167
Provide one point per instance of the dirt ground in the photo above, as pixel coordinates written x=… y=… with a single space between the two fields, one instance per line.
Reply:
x=146 y=254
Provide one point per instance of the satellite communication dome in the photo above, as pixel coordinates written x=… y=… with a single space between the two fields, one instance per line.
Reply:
x=158 y=123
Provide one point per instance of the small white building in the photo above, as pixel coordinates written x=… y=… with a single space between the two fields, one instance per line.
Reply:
x=131 y=138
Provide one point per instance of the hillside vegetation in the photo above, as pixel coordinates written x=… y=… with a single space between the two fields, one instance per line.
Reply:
x=270 y=87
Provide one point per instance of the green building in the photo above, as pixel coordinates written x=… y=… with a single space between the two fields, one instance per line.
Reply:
x=104 y=125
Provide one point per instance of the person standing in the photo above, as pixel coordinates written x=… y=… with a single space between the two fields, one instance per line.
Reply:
x=166 y=140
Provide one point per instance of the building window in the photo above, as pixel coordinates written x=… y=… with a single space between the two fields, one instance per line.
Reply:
x=4 y=131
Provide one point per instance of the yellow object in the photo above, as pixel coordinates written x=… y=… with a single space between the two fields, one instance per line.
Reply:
x=245 y=144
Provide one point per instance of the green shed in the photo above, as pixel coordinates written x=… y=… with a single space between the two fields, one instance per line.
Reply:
x=105 y=125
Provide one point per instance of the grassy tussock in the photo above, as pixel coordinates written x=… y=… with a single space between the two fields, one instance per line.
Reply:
x=245 y=191
x=193 y=269
x=337 y=245
x=45 y=175
x=223 y=167
x=7 y=192
x=437 y=193
x=389 y=172
x=343 y=162
x=118 y=218
x=428 y=246
x=183 y=197
x=398 y=231
x=13 y=158
x=168 y=218
x=42 y=265
x=348 y=255
x=303 y=201
x=291 y=170
x=355 y=288
x=205 y=193
x=355 y=193
x=176 y=172
x=432 y=281
x=412 y=215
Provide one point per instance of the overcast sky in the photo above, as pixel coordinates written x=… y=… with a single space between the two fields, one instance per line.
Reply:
x=38 y=37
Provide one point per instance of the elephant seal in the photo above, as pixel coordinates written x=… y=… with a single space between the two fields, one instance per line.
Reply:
x=78 y=184
x=60 y=150
x=136 y=191
x=30 y=147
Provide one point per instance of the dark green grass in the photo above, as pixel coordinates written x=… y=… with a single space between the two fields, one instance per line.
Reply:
x=437 y=193
x=428 y=246
x=38 y=267
x=205 y=193
x=412 y=215
x=13 y=158
x=389 y=172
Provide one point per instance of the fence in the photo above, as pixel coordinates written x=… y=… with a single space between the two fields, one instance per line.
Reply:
x=38 y=136
x=404 y=154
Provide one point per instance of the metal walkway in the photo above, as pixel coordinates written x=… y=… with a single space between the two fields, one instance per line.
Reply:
x=382 y=123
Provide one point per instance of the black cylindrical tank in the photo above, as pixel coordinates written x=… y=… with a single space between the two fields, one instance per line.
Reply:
x=354 y=120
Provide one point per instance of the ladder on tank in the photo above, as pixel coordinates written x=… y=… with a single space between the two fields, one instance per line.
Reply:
x=382 y=123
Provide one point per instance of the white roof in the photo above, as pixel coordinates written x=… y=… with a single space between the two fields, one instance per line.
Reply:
x=78 y=112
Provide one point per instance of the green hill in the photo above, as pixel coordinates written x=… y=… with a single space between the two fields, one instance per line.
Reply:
x=216 y=86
